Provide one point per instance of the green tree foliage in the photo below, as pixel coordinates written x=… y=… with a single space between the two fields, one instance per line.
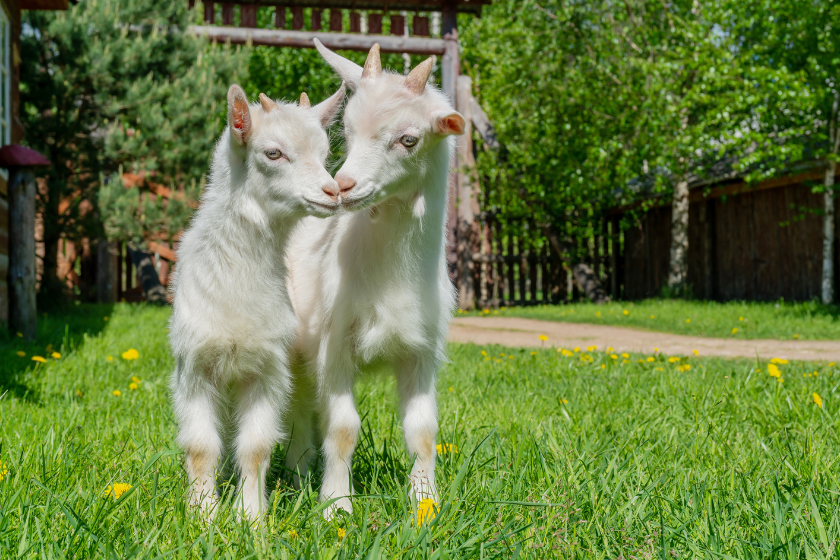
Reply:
x=111 y=84
x=600 y=103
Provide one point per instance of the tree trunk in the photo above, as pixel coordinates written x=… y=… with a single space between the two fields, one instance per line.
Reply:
x=827 y=283
x=678 y=274
x=582 y=273
x=828 y=235
x=22 y=308
x=154 y=290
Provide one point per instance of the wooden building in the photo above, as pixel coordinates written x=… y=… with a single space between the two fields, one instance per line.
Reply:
x=11 y=130
x=746 y=242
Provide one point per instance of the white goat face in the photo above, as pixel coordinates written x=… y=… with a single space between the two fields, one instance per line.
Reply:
x=391 y=124
x=282 y=148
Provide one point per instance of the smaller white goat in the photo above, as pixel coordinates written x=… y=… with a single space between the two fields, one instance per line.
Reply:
x=233 y=323
x=371 y=285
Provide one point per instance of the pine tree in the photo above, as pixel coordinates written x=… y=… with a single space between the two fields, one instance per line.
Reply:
x=117 y=84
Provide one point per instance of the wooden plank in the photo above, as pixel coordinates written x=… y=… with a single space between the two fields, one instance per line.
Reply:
x=227 y=13
x=4 y=187
x=163 y=251
x=4 y=215
x=420 y=26
x=317 y=20
x=21 y=275
x=336 y=23
x=462 y=6
x=335 y=41
x=355 y=22
x=44 y=4
x=297 y=19
x=397 y=25
x=280 y=17
x=209 y=13
x=375 y=24
x=248 y=15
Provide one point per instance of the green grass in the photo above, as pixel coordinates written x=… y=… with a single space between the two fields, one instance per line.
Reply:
x=778 y=320
x=557 y=457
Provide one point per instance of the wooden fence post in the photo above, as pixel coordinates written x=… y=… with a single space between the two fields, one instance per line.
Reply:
x=468 y=240
x=22 y=310
x=106 y=272
x=450 y=68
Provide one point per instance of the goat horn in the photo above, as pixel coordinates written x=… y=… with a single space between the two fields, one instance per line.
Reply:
x=416 y=80
x=373 y=65
x=267 y=104
x=304 y=101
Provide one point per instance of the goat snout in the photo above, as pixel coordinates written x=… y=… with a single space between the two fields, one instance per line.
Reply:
x=331 y=189
x=346 y=184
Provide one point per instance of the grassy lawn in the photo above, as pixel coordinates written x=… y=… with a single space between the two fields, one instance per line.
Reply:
x=552 y=456
x=779 y=320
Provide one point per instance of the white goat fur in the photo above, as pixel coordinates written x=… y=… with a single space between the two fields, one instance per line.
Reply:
x=371 y=285
x=233 y=324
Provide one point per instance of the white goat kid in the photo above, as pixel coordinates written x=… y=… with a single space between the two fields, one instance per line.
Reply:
x=372 y=285
x=233 y=324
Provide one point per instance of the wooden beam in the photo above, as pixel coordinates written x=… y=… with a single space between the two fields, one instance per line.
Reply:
x=462 y=6
x=22 y=310
x=335 y=41
x=468 y=234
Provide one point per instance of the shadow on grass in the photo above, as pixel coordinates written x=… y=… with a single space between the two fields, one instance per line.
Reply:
x=59 y=330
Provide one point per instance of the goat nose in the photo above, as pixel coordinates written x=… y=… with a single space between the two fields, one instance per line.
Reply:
x=346 y=184
x=331 y=189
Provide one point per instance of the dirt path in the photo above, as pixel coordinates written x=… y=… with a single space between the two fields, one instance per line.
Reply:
x=512 y=331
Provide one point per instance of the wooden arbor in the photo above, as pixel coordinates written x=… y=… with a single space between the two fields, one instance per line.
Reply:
x=360 y=30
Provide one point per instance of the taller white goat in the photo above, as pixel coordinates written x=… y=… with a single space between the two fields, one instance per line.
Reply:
x=372 y=285
x=233 y=324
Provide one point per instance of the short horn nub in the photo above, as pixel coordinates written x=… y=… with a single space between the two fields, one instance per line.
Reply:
x=267 y=104
x=304 y=101
x=373 y=65
x=416 y=80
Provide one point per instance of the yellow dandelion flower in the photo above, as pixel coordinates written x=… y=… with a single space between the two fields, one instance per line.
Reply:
x=817 y=401
x=502 y=354
x=498 y=360
x=135 y=379
x=451 y=390
x=563 y=401
x=696 y=352
x=674 y=359
x=109 y=359
x=292 y=534
x=651 y=359
x=495 y=312
x=79 y=393
x=734 y=330
x=831 y=364
x=653 y=317
x=460 y=311
x=685 y=367
x=625 y=361
x=626 y=312
x=688 y=320
x=591 y=348
x=55 y=355
x=487 y=312
x=502 y=308
x=116 y=392
x=577 y=348
x=132 y=386
x=625 y=355
x=796 y=336
x=609 y=348
x=778 y=361
x=426 y=510
x=543 y=337
x=655 y=350
x=597 y=313
x=483 y=353
x=39 y=359
x=130 y=354
x=533 y=353
x=568 y=353
x=774 y=370
x=603 y=366
x=117 y=490
x=105 y=318
x=21 y=353
x=511 y=357
x=20 y=335
x=613 y=356
x=446 y=448
x=4 y=468
x=341 y=532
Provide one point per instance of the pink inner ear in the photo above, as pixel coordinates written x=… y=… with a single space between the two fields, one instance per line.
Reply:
x=451 y=124
x=240 y=116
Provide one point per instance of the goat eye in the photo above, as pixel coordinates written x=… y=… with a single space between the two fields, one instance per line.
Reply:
x=273 y=154
x=409 y=141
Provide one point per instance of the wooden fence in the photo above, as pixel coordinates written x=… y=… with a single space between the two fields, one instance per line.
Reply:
x=524 y=269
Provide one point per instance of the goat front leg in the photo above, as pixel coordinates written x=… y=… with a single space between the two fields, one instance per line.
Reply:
x=196 y=410
x=418 y=402
x=258 y=430
x=340 y=426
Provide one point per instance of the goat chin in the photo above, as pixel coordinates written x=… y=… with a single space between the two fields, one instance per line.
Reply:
x=233 y=324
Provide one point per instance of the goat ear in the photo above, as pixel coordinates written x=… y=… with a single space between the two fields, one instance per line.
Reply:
x=448 y=123
x=349 y=71
x=328 y=109
x=239 y=114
